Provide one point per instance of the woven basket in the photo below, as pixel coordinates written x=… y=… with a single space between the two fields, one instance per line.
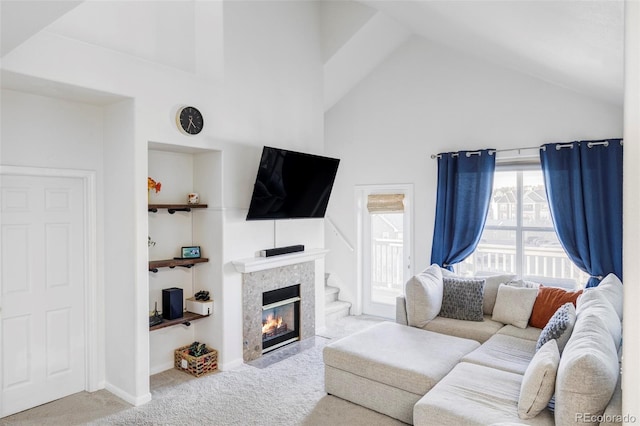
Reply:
x=196 y=365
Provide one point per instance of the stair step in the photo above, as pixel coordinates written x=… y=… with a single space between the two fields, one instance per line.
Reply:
x=330 y=294
x=337 y=309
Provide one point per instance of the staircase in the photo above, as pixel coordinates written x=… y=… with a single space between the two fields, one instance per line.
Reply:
x=334 y=308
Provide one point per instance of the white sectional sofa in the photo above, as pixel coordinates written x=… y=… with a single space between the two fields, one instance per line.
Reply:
x=428 y=369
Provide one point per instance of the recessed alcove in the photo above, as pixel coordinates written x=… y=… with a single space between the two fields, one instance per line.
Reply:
x=174 y=224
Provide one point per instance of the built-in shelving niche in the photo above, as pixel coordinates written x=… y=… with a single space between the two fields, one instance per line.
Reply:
x=172 y=224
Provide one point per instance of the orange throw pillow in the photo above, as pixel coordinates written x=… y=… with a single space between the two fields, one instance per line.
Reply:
x=547 y=303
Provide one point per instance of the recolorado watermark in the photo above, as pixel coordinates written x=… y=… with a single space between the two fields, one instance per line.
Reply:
x=605 y=418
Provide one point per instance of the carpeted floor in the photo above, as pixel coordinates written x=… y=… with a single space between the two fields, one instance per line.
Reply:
x=285 y=387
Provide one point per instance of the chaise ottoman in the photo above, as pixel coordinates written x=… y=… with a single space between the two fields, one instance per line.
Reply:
x=389 y=367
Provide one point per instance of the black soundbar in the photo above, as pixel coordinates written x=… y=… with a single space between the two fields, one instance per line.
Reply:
x=281 y=250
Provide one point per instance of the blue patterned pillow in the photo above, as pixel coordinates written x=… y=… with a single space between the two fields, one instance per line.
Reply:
x=462 y=298
x=559 y=326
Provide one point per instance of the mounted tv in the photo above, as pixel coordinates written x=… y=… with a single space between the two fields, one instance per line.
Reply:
x=292 y=185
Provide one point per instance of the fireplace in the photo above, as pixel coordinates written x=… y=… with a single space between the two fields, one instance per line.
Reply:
x=280 y=317
x=257 y=284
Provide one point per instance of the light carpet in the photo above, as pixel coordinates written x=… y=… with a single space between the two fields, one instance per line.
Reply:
x=285 y=387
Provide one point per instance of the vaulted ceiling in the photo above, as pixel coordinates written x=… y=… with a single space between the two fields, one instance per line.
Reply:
x=578 y=44
x=575 y=44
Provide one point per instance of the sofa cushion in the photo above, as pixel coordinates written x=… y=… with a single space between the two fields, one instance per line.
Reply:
x=462 y=299
x=611 y=289
x=514 y=304
x=505 y=353
x=524 y=283
x=399 y=356
x=613 y=413
x=479 y=331
x=401 y=310
x=594 y=303
x=588 y=372
x=424 y=296
x=474 y=395
x=491 y=284
x=529 y=333
x=539 y=381
x=548 y=300
x=559 y=327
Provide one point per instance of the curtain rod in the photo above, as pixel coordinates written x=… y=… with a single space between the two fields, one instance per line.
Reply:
x=542 y=147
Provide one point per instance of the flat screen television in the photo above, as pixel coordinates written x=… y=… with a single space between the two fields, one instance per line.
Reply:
x=292 y=185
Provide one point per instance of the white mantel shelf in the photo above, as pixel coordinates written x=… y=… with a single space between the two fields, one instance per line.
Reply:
x=254 y=264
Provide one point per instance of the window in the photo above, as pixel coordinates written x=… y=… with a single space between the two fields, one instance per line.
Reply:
x=518 y=236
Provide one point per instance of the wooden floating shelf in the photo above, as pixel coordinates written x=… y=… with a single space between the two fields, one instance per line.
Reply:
x=172 y=263
x=185 y=319
x=172 y=208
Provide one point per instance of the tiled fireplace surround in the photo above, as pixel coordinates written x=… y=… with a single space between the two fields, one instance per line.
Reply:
x=255 y=283
x=261 y=274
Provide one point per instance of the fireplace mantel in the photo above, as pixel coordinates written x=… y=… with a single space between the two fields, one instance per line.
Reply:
x=254 y=264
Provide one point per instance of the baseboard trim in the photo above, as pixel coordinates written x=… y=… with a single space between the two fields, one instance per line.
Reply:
x=133 y=400
x=160 y=368
x=231 y=365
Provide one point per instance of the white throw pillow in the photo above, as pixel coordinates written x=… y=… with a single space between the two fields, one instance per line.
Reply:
x=491 y=284
x=593 y=302
x=539 y=381
x=611 y=288
x=514 y=305
x=423 y=295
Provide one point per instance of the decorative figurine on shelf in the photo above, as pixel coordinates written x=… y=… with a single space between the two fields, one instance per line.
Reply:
x=152 y=184
x=202 y=295
x=156 y=318
x=193 y=198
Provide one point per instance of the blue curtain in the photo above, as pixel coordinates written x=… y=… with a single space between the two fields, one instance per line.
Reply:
x=465 y=183
x=584 y=189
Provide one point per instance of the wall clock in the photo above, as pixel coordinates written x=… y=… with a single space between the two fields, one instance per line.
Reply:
x=189 y=120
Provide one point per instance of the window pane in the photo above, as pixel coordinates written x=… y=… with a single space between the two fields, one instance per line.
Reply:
x=387 y=270
x=503 y=210
x=545 y=257
x=540 y=254
x=535 y=210
x=495 y=253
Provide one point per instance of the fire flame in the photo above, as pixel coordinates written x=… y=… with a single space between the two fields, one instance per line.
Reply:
x=271 y=323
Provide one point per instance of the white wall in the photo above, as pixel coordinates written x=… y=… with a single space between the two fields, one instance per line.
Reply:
x=272 y=75
x=125 y=282
x=253 y=68
x=44 y=132
x=273 y=96
x=631 y=201
x=339 y=22
x=426 y=99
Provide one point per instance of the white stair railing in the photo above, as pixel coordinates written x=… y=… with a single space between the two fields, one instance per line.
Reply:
x=339 y=233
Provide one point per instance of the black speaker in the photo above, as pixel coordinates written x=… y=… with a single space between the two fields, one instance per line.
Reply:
x=281 y=250
x=172 y=303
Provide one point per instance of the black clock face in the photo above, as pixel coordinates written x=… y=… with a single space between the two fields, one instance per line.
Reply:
x=190 y=120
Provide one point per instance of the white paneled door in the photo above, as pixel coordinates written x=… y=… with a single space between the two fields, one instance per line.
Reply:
x=42 y=319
